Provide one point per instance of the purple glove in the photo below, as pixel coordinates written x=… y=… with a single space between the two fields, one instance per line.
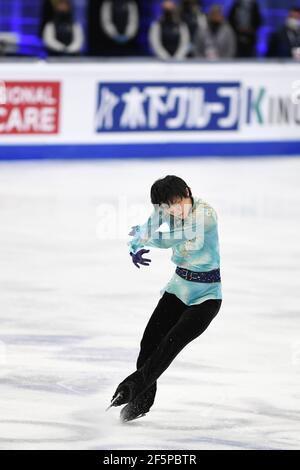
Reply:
x=137 y=258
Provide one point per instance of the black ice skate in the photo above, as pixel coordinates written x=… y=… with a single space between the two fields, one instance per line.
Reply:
x=131 y=412
x=138 y=407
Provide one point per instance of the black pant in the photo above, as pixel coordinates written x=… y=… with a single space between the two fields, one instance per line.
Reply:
x=172 y=325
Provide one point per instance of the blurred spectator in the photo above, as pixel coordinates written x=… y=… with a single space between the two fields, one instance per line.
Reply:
x=245 y=18
x=218 y=41
x=191 y=14
x=169 y=37
x=8 y=44
x=47 y=14
x=63 y=36
x=286 y=42
x=119 y=20
x=113 y=27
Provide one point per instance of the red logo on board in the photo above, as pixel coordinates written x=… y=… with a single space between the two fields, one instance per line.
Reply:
x=30 y=108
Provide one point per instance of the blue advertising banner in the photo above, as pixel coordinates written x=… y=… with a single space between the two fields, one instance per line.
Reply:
x=124 y=107
x=149 y=109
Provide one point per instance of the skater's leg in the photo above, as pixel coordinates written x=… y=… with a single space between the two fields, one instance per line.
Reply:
x=165 y=315
x=191 y=324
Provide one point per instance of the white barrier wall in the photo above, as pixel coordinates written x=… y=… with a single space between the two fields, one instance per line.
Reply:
x=148 y=109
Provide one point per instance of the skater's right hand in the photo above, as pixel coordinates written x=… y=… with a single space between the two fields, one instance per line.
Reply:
x=137 y=258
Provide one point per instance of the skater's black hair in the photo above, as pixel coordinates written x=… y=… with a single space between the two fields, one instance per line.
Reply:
x=167 y=190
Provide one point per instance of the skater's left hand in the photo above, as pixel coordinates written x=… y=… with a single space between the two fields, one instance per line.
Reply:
x=137 y=258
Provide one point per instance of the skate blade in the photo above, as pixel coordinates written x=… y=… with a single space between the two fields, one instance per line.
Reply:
x=132 y=419
x=113 y=401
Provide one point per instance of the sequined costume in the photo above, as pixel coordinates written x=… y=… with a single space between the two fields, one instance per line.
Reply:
x=195 y=246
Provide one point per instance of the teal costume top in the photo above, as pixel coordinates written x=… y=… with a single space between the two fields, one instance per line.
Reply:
x=195 y=246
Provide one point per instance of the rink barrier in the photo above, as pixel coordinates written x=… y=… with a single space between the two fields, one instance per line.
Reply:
x=149 y=151
x=148 y=109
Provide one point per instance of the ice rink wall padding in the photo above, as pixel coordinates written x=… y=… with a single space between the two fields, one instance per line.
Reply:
x=148 y=109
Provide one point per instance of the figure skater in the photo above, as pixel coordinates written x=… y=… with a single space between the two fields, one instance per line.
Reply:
x=189 y=301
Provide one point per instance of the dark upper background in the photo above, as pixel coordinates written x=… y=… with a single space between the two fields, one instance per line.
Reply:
x=23 y=17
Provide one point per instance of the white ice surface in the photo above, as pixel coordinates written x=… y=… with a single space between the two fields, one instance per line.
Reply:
x=70 y=332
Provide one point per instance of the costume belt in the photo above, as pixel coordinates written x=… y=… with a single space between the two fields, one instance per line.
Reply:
x=196 y=276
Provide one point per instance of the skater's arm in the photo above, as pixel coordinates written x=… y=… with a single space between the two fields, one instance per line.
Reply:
x=180 y=231
x=144 y=233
